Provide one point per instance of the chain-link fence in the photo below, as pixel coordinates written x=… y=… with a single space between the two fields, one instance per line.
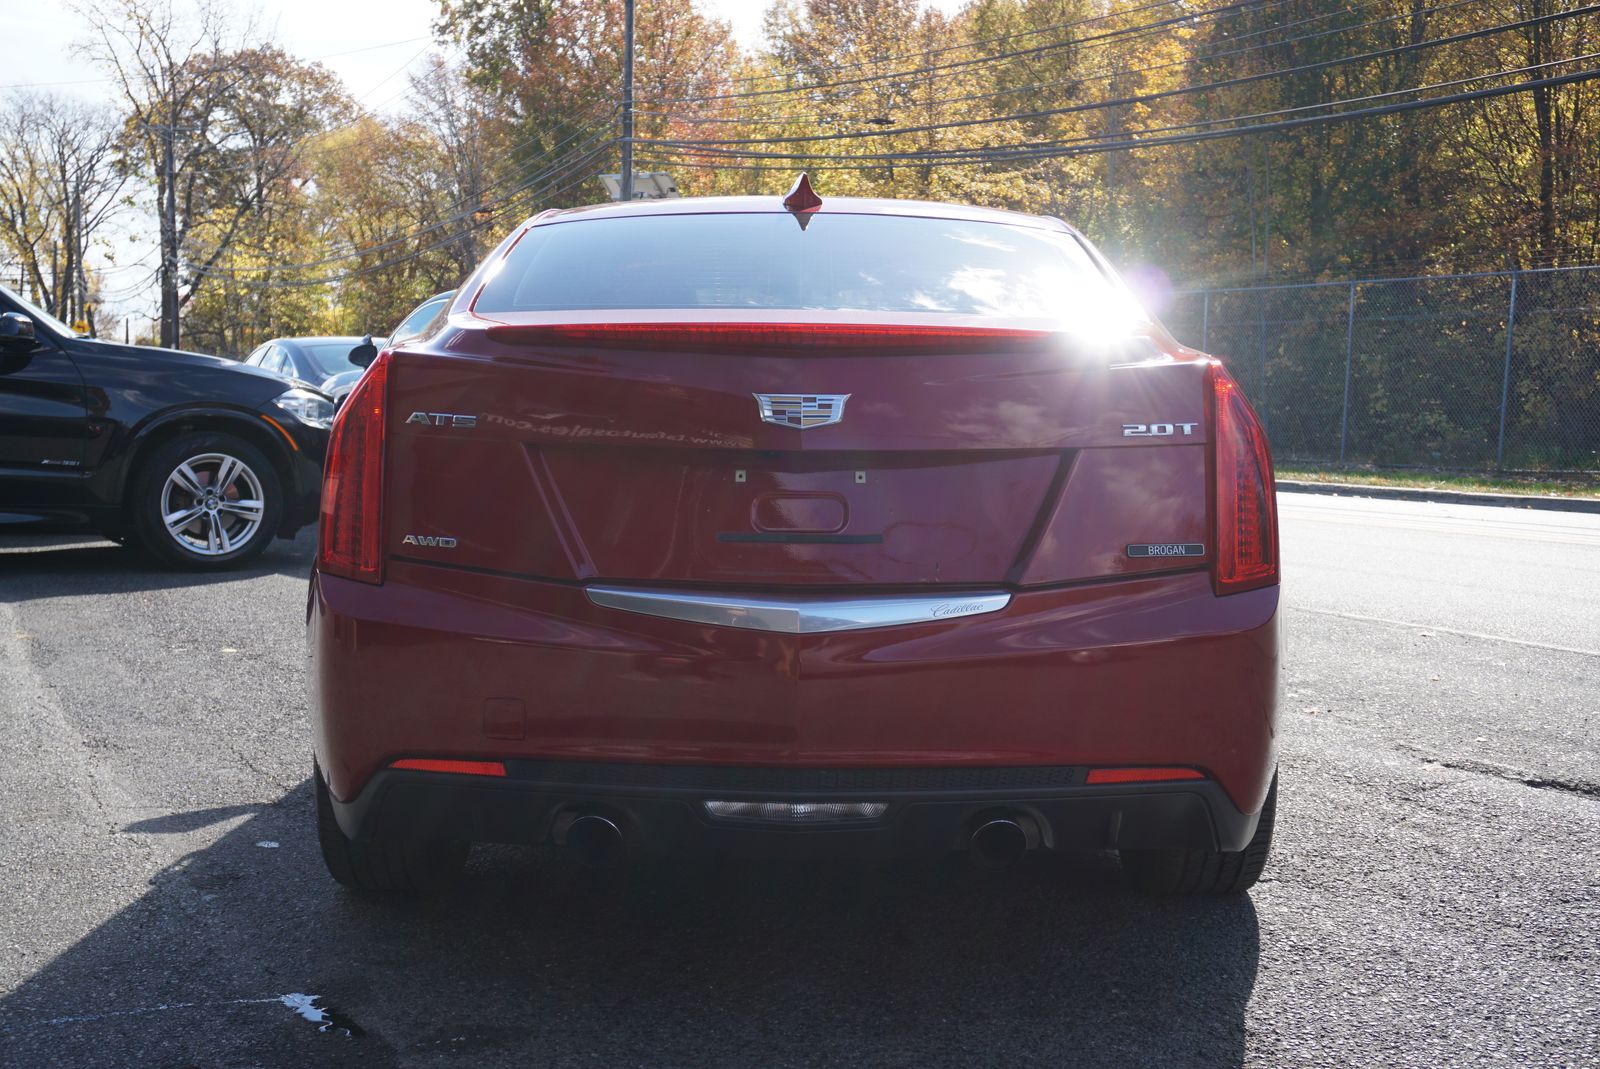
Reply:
x=1466 y=371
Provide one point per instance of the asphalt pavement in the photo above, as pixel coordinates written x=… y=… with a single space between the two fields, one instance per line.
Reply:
x=1433 y=900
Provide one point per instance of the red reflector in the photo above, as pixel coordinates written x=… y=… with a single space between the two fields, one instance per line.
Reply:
x=1140 y=775
x=705 y=337
x=349 y=542
x=460 y=768
x=1246 y=503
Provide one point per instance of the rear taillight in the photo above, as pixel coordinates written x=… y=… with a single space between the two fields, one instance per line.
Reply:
x=350 y=542
x=1245 y=507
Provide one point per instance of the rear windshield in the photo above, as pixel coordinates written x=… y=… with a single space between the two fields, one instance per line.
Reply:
x=857 y=263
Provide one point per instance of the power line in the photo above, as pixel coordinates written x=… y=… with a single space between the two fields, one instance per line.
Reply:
x=410 y=235
x=478 y=204
x=1037 y=31
x=546 y=192
x=1368 y=98
x=311 y=59
x=368 y=111
x=960 y=64
x=1099 y=138
x=1031 y=151
x=1145 y=98
x=1122 y=35
x=396 y=72
x=1319 y=120
x=1105 y=72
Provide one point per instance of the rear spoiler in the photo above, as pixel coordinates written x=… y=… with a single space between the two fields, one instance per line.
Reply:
x=723 y=336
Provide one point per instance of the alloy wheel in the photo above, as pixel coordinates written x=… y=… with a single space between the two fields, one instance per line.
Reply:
x=212 y=504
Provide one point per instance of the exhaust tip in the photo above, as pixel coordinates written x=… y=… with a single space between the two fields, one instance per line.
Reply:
x=998 y=842
x=596 y=840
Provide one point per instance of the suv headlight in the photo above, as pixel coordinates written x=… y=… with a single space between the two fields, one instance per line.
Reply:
x=307 y=407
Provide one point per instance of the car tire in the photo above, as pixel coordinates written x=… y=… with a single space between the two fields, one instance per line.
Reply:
x=225 y=526
x=1205 y=872
x=405 y=866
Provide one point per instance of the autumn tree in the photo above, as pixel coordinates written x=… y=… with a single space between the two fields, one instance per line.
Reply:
x=60 y=177
x=555 y=67
x=217 y=122
x=1150 y=126
x=464 y=150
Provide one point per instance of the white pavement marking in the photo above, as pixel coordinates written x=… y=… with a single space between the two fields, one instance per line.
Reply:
x=1528 y=576
x=164 y=1007
x=1445 y=630
x=1471 y=521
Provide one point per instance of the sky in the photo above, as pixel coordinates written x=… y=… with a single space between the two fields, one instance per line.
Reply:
x=390 y=33
x=369 y=44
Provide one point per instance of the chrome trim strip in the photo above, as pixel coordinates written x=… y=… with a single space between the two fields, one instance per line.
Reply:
x=796 y=615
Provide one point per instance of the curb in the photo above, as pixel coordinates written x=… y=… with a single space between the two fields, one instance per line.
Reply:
x=1446 y=497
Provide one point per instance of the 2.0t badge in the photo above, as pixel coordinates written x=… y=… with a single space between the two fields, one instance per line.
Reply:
x=801 y=411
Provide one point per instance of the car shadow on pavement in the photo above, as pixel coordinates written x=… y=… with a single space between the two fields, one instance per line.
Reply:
x=244 y=952
x=193 y=820
x=39 y=567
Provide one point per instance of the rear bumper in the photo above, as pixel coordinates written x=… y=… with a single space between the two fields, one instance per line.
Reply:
x=929 y=811
x=442 y=663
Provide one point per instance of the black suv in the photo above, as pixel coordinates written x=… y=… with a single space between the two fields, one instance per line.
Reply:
x=199 y=459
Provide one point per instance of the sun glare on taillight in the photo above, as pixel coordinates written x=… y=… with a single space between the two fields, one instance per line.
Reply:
x=1246 y=505
x=350 y=541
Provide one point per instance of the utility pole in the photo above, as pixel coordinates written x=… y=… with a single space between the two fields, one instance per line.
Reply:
x=167 y=209
x=169 y=241
x=627 y=100
x=84 y=311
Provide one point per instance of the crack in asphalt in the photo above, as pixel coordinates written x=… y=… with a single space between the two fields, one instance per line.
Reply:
x=1583 y=788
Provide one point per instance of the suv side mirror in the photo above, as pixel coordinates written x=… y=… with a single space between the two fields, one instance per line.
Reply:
x=16 y=332
x=364 y=354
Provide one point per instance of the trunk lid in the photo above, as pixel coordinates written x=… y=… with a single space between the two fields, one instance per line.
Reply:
x=638 y=453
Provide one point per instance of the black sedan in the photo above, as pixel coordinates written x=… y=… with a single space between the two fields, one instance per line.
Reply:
x=199 y=459
x=312 y=360
x=417 y=322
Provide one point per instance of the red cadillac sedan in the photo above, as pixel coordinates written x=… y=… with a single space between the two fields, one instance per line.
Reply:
x=800 y=526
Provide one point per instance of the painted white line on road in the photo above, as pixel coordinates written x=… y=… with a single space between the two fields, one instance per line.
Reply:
x=164 y=1007
x=1466 y=514
x=1554 y=533
x=1445 y=630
